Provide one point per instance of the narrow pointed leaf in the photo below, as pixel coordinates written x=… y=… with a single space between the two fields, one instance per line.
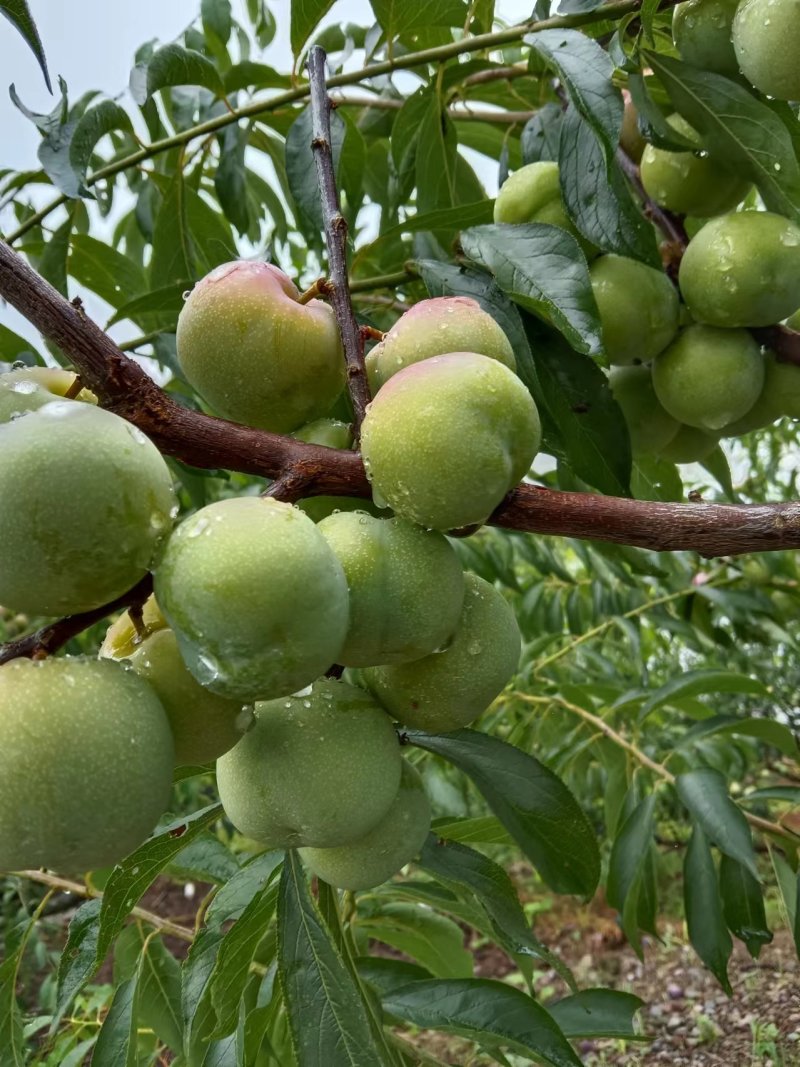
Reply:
x=598 y=1013
x=704 y=919
x=705 y=793
x=174 y=65
x=19 y=15
x=743 y=905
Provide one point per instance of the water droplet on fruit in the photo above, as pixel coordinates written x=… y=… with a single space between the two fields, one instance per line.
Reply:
x=304 y=692
x=199 y=527
x=186 y=294
x=19 y=364
x=25 y=387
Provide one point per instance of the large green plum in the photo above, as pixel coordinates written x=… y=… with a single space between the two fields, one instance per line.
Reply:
x=638 y=308
x=742 y=270
x=533 y=194
x=649 y=425
x=87 y=503
x=766 y=37
x=779 y=395
x=687 y=183
x=689 y=445
x=257 y=354
x=449 y=689
x=445 y=439
x=406 y=587
x=86 y=763
x=256 y=597
x=385 y=849
x=433 y=328
x=320 y=768
x=709 y=377
x=701 y=30
x=28 y=388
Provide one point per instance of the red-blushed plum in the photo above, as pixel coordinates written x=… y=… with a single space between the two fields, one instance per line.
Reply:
x=649 y=425
x=445 y=439
x=638 y=308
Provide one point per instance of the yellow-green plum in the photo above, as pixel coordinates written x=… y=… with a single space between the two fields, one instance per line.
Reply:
x=126 y=634
x=433 y=328
x=701 y=30
x=638 y=308
x=28 y=388
x=649 y=425
x=445 y=439
x=533 y=194
x=450 y=688
x=766 y=37
x=742 y=269
x=257 y=354
x=320 y=768
x=709 y=377
x=257 y=599
x=86 y=763
x=630 y=138
x=689 y=445
x=385 y=849
x=87 y=503
x=406 y=587
x=688 y=183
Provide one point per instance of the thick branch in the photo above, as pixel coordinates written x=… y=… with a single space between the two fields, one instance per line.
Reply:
x=336 y=238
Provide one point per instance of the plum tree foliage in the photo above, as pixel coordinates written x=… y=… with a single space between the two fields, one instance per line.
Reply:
x=306 y=580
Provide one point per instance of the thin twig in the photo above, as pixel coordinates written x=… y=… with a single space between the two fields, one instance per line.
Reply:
x=336 y=239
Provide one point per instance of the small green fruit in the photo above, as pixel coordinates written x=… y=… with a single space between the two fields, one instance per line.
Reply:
x=87 y=504
x=406 y=587
x=450 y=689
x=332 y=433
x=437 y=423
x=701 y=30
x=690 y=184
x=780 y=395
x=766 y=37
x=256 y=597
x=638 y=308
x=86 y=763
x=254 y=352
x=689 y=445
x=651 y=428
x=29 y=388
x=709 y=377
x=533 y=194
x=320 y=768
x=743 y=270
x=630 y=139
x=124 y=635
x=385 y=849
x=434 y=328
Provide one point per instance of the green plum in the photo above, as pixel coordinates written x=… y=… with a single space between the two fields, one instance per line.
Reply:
x=687 y=183
x=320 y=768
x=533 y=194
x=638 y=308
x=742 y=270
x=766 y=37
x=87 y=504
x=257 y=354
x=86 y=763
x=793 y=322
x=29 y=388
x=709 y=377
x=630 y=138
x=332 y=433
x=406 y=587
x=701 y=30
x=779 y=395
x=649 y=425
x=451 y=688
x=125 y=635
x=434 y=328
x=385 y=849
x=689 y=445
x=257 y=599
x=445 y=439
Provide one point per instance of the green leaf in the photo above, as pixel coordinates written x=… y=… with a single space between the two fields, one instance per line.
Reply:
x=13 y=348
x=770 y=731
x=159 y=307
x=489 y=1012
x=541 y=268
x=159 y=992
x=216 y=16
x=78 y=960
x=97 y=266
x=398 y=17
x=431 y=939
x=541 y=135
x=737 y=129
x=230 y=180
x=118 y=1040
x=248 y=74
x=655 y=479
x=481 y=830
x=385 y=974
x=704 y=920
x=743 y=905
x=173 y=249
x=696 y=683
x=535 y=806
x=305 y=16
x=436 y=154
x=704 y=793
x=598 y=1013
x=92 y=126
x=18 y=13
x=789 y=888
x=626 y=867
x=53 y=262
x=327 y=1016
x=173 y=65
x=790 y=793
x=301 y=169
x=12 y=1039
x=199 y=1017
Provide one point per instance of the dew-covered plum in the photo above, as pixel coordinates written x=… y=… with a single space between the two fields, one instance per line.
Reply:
x=638 y=308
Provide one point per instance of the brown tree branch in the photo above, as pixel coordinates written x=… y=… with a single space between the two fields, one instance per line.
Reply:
x=336 y=238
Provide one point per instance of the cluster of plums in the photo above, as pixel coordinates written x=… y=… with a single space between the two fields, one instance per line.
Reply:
x=254 y=601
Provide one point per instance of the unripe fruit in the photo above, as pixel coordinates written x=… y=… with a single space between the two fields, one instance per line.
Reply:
x=687 y=183
x=87 y=502
x=255 y=353
x=766 y=37
x=29 y=388
x=86 y=763
x=256 y=597
x=638 y=308
x=780 y=395
x=701 y=30
x=450 y=689
x=406 y=587
x=124 y=636
x=533 y=194
x=709 y=377
x=742 y=270
x=433 y=328
x=689 y=445
x=318 y=769
x=332 y=433
x=446 y=439
x=650 y=427
x=385 y=849
x=630 y=139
